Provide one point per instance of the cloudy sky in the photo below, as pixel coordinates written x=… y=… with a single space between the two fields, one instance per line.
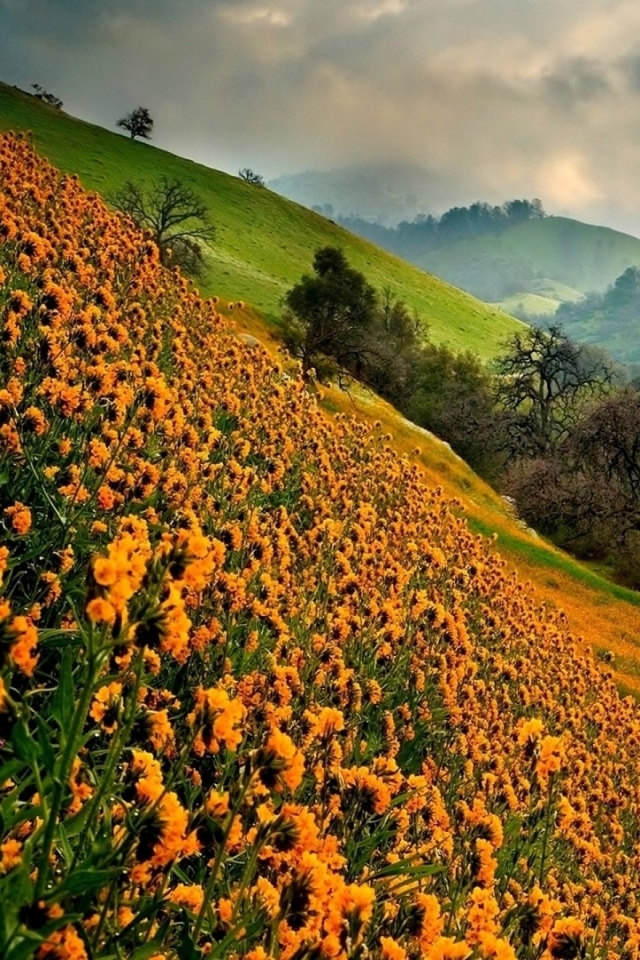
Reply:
x=497 y=98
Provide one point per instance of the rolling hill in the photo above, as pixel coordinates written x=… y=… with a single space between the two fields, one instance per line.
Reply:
x=264 y=243
x=583 y=257
x=528 y=268
x=264 y=693
x=606 y=616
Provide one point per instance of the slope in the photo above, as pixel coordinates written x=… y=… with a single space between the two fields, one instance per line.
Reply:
x=262 y=692
x=582 y=256
x=607 y=618
x=264 y=242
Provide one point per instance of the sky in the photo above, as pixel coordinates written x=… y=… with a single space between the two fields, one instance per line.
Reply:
x=494 y=98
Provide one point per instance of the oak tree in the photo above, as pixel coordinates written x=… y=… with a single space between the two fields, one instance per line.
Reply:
x=138 y=123
x=176 y=217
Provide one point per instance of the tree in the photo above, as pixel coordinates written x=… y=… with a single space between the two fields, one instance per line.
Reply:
x=139 y=123
x=543 y=384
x=392 y=361
x=586 y=494
x=454 y=399
x=176 y=217
x=46 y=97
x=249 y=176
x=327 y=314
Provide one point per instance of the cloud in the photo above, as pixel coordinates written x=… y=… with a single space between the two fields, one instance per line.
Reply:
x=497 y=98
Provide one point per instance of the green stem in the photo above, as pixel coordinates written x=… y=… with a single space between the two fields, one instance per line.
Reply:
x=114 y=754
x=213 y=876
x=547 y=825
x=246 y=876
x=77 y=722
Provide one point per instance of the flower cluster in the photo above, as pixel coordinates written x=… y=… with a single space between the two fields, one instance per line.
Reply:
x=262 y=692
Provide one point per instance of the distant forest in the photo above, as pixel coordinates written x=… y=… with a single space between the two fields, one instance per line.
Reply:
x=411 y=239
x=610 y=317
x=612 y=311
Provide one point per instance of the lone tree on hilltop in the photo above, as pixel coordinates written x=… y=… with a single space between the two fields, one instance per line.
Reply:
x=139 y=123
x=176 y=217
x=250 y=176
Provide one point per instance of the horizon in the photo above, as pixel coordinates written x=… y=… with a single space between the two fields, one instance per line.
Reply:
x=492 y=98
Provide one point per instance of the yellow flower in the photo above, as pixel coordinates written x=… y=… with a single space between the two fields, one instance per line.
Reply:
x=20 y=517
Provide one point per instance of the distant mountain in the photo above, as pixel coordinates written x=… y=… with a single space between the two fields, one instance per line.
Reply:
x=545 y=267
x=611 y=319
x=584 y=257
x=383 y=193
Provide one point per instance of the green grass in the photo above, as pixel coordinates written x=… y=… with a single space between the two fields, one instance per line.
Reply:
x=579 y=255
x=554 y=290
x=541 y=555
x=531 y=304
x=264 y=243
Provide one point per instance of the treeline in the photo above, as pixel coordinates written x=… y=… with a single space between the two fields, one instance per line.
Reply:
x=551 y=423
x=610 y=316
x=339 y=326
x=414 y=238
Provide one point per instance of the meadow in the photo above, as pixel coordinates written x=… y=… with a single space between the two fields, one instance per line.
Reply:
x=264 y=243
x=263 y=691
x=267 y=243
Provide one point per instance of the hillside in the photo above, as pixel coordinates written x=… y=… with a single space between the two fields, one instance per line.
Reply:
x=264 y=243
x=264 y=693
x=526 y=268
x=541 y=298
x=608 y=618
x=584 y=257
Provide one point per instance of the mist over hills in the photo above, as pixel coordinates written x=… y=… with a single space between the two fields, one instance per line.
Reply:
x=527 y=263
x=384 y=193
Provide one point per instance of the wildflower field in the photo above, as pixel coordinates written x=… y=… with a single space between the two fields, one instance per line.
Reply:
x=263 y=242
x=262 y=692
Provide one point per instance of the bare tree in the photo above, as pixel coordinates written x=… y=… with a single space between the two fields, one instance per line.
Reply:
x=176 y=217
x=249 y=176
x=543 y=383
x=46 y=97
x=586 y=494
x=138 y=123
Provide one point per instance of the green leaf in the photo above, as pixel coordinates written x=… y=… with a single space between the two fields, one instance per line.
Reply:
x=62 y=639
x=147 y=950
x=24 y=746
x=76 y=824
x=186 y=948
x=9 y=769
x=62 y=708
x=86 y=881
x=404 y=868
x=44 y=742
x=25 y=948
x=64 y=843
x=16 y=890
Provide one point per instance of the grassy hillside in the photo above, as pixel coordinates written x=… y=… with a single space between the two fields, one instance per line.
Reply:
x=584 y=257
x=264 y=695
x=540 y=297
x=606 y=619
x=264 y=242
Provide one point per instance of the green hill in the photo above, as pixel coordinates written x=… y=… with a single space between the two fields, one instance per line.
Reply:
x=264 y=243
x=583 y=257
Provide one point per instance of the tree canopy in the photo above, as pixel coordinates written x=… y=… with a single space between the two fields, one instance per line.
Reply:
x=176 y=217
x=327 y=313
x=138 y=123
